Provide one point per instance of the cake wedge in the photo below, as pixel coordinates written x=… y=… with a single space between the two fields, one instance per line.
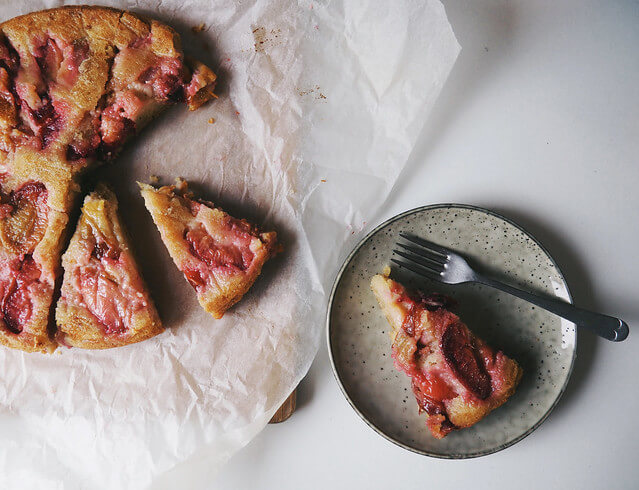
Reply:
x=104 y=302
x=457 y=379
x=220 y=256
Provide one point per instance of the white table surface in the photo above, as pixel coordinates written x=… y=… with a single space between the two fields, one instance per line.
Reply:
x=539 y=121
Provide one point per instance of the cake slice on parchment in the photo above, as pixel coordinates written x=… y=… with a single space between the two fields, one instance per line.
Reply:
x=457 y=379
x=75 y=84
x=104 y=302
x=220 y=256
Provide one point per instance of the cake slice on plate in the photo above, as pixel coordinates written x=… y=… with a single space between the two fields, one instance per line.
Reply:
x=75 y=84
x=457 y=379
x=220 y=256
x=104 y=301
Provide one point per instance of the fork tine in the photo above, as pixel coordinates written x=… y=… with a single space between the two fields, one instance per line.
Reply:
x=426 y=244
x=423 y=261
x=424 y=252
x=419 y=271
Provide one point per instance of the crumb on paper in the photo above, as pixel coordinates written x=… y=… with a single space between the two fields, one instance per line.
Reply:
x=318 y=95
x=154 y=179
x=264 y=39
x=237 y=113
x=180 y=184
x=211 y=120
x=386 y=271
x=316 y=27
x=198 y=28
x=323 y=180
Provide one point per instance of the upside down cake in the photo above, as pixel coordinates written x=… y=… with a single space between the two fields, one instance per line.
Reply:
x=75 y=84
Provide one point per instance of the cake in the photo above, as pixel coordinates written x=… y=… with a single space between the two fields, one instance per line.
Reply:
x=220 y=256
x=103 y=301
x=75 y=84
x=457 y=379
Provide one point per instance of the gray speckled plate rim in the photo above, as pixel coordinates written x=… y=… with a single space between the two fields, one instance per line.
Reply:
x=329 y=310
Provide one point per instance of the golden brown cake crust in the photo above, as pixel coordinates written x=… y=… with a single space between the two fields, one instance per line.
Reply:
x=100 y=233
x=174 y=213
x=76 y=82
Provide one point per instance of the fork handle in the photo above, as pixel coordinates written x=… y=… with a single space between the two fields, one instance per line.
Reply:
x=605 y=326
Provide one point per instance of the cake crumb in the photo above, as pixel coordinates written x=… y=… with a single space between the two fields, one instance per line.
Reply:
x=198 y=28
x=154 y=179
x=323 y=180
x=180 y=184
x=211 y=120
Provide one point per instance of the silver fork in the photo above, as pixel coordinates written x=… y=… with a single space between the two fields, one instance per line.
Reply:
x=442 y=264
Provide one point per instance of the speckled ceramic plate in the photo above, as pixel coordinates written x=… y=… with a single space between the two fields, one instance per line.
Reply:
x=543 y=344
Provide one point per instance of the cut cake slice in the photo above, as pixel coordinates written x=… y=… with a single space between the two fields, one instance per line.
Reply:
x=104 y=302
x=220 y=256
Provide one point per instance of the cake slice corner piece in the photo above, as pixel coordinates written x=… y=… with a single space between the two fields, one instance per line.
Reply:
x=457 y=379
x=219 y=255
x=104 y=301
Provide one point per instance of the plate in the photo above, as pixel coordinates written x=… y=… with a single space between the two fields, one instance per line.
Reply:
x=543 y=344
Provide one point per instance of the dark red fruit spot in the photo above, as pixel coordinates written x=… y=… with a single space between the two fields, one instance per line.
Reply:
x=437 y=301
x=464 y=361
x=426 y=403
x=48 y=121
x=16 y=305
x=169 y=87
x=103 y=250
x=447 y=426
x=75 y=153
x=29 y=193
x=194 y=277
x=417 y=303
x=430 y=391
x=48 y=56
x=213 y=254
x=114 y=129
x=147 y=75
x=167 y=79
x=86 y=140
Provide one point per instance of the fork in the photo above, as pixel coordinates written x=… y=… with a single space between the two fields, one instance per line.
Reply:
x=442 y=264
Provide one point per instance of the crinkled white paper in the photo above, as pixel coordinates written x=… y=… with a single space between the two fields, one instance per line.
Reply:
x=319 y=106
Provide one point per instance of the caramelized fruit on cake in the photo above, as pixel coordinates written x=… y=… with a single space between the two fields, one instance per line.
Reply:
x=457 y=379
x=75 y=84
x=104 y=302
x=220 y=256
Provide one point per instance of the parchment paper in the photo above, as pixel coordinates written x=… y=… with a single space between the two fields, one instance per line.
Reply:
x=320 y=105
